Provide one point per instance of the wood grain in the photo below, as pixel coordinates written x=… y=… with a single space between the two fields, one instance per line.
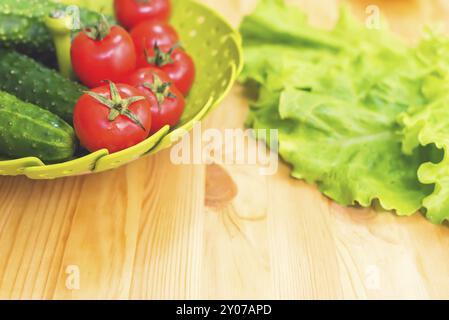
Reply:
x=155 y=230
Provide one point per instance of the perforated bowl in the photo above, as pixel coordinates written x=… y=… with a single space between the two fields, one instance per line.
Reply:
x=216 y=49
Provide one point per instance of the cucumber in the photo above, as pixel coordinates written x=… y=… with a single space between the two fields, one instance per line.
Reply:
x=20 y=30
x=32 y=82
x=22 y=25
x=27 y=130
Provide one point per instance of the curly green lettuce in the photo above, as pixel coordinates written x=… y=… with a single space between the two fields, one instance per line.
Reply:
x=429 y=125
x=336 y=96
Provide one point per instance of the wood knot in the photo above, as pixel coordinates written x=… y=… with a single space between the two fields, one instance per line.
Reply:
x=220 y=187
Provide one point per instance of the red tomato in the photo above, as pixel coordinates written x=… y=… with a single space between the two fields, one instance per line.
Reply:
x=167 y=102
x=175 y=62
x=131 y=12
x=99 y=55
x=112 y=117
x=146 y=34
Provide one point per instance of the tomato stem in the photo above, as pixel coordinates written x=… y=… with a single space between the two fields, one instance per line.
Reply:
x=161 y=58
x=117 y=105
x=160 y=89
x=100 y=30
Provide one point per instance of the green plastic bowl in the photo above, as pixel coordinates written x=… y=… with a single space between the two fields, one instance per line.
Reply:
x=216 y=49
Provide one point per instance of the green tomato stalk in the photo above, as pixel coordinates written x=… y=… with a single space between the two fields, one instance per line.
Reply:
x=61 y=27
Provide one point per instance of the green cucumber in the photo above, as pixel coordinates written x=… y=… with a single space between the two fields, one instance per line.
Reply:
x=31 y=82
x=29 y=131
x=22 y=24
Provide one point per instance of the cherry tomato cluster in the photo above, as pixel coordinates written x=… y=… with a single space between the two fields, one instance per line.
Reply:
x=138 y=73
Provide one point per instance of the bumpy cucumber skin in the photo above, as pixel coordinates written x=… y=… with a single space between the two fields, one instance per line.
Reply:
x=31 y=82
x=22 y=25
x=29 y=131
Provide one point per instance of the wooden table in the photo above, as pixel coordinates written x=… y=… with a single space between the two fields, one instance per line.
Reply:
x=155 y=230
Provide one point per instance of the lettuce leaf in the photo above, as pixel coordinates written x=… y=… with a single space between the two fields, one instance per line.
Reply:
x=352 y=153
x=336 y=96
x=429 y=125
x=286 y=25
x=341 y=132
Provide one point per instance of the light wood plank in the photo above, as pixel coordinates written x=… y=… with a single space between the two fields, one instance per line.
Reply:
x=154 y=230
x=169 y=250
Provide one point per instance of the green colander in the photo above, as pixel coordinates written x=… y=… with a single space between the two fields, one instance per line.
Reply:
x=216 y=49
